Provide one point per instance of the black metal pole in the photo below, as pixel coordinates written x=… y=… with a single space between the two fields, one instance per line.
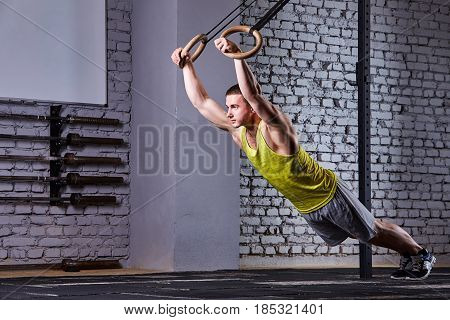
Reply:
x=363 y=79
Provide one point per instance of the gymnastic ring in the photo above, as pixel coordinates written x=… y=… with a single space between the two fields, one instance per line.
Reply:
x=247 y=54
x=198 y=38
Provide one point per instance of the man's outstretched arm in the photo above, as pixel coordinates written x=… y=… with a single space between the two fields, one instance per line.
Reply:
x=198 y=95
x=250 y=88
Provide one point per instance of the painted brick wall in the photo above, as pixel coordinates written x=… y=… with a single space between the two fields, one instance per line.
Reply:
x=33 y=234
x=308 y=68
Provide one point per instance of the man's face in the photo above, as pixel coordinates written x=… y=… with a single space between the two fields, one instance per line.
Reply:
x=239 y=111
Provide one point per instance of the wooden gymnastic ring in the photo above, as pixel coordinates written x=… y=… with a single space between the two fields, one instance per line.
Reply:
x=247 y=54
x=198 y=38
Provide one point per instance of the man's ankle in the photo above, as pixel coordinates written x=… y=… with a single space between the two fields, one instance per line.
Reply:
x=422 y=252
x=417 y=251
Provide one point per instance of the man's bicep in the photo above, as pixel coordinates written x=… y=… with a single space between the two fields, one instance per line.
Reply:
x=214 y=113
x=265 y=109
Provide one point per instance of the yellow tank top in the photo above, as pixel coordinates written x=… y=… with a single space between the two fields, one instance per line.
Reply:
x=298 y=177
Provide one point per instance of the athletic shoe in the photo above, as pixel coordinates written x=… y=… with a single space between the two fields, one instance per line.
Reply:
x=421 y=265
x=405 y=267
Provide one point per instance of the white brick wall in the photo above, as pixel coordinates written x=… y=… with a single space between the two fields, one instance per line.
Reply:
x=42 y=234
x=308 y=67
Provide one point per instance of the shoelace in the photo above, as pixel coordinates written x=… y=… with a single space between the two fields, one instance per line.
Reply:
x=417 y=263
x=404 y=262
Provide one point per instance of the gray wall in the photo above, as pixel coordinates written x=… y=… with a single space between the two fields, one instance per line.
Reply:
x=180 y=221
x=308 y=67
x=154 y=102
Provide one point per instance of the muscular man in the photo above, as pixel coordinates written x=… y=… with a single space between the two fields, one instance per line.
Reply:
x=270 y=142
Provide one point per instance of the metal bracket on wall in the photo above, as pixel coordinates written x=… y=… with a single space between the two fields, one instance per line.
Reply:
x=55 y=151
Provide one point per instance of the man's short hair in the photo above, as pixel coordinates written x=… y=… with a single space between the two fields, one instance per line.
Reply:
x=233 y=90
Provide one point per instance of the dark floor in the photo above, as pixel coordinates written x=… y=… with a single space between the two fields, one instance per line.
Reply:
x=258 y=284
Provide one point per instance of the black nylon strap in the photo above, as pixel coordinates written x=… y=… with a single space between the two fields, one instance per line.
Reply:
x=234 y=10
x=237 y=15
x=269 y=15
x=258 y=26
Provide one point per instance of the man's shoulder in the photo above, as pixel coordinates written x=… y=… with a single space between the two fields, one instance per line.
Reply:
x=236 y=134
x=283 y=123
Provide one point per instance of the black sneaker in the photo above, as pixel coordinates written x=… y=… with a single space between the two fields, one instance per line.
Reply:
x=421 y=265
x=405 y=267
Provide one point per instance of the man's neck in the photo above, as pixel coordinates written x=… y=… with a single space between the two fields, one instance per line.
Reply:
x=253 y=128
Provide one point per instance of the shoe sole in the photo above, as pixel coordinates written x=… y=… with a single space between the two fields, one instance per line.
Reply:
x=433 y=261
x=398 y=278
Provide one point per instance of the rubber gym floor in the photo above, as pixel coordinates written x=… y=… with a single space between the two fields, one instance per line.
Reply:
x=301 y=284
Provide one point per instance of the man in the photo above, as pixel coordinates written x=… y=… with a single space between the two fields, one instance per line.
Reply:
x=270 y=142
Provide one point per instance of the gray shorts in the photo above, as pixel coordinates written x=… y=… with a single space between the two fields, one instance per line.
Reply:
x=344 y=216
